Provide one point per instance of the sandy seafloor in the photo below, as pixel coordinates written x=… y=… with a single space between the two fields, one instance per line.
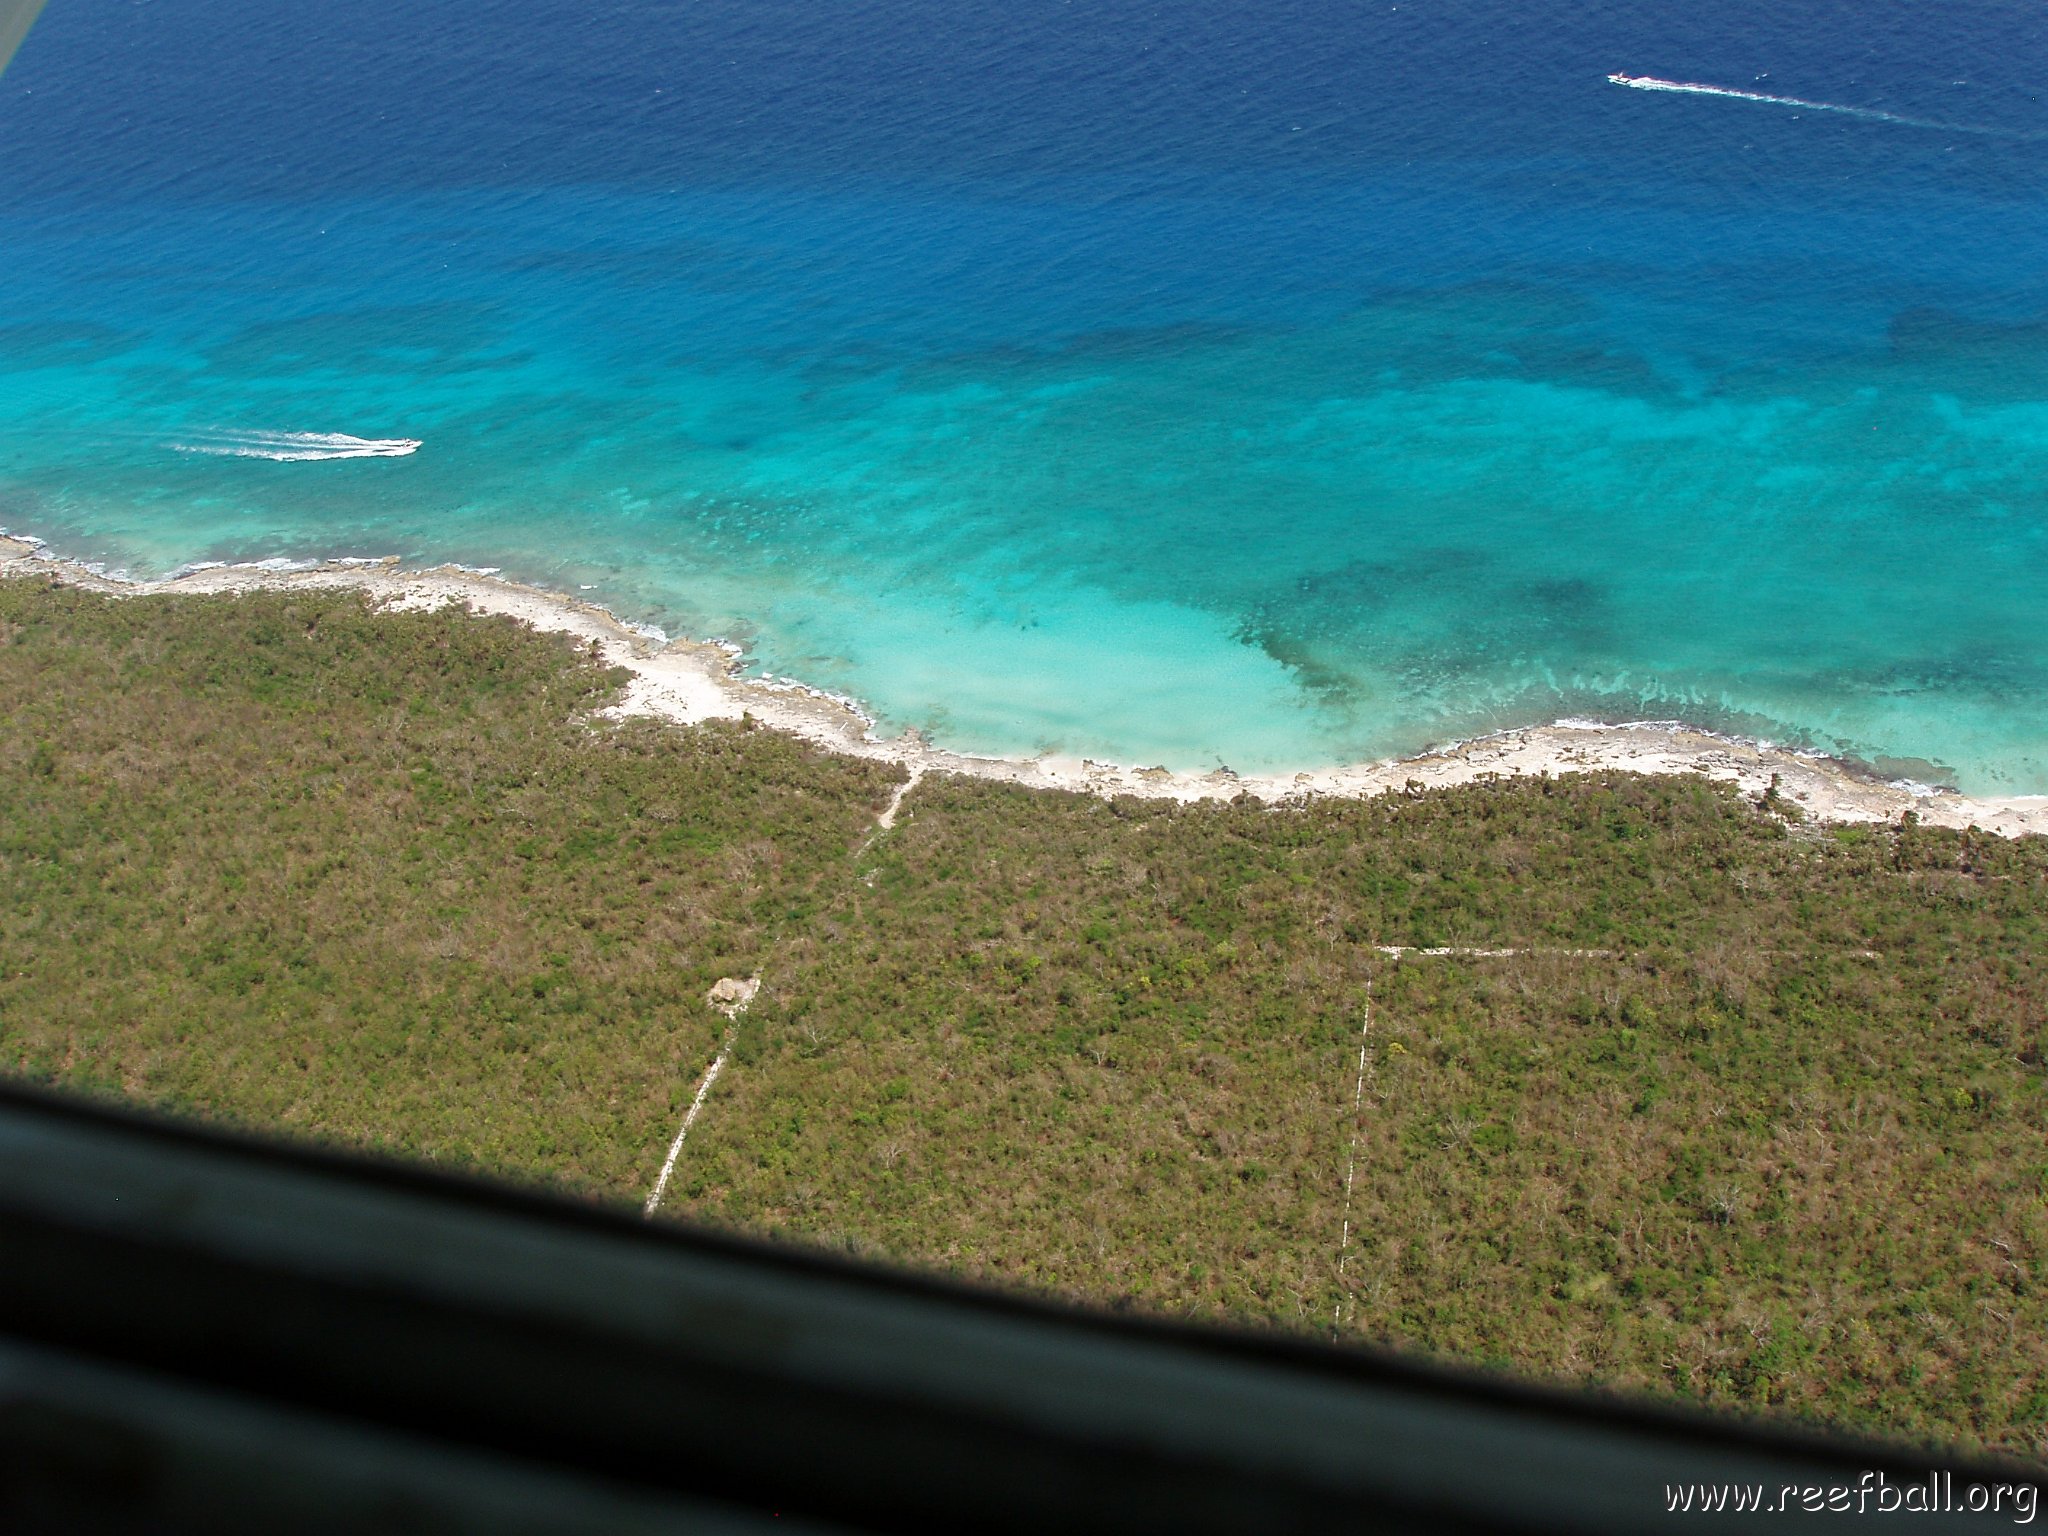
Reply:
x=689 y=681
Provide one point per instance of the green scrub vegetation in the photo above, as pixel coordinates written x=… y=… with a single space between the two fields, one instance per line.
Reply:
x=1753 y=1115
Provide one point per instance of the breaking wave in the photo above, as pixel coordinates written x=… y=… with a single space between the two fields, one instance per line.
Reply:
x=296 y=447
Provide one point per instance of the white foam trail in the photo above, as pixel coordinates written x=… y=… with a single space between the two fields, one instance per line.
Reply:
x=1868 y=114
x=296 y=447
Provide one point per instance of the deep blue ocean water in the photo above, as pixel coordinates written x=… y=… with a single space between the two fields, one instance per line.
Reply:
x=1276 y=385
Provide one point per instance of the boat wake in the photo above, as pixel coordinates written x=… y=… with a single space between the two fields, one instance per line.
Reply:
x=1868 y=114
x=296 y=447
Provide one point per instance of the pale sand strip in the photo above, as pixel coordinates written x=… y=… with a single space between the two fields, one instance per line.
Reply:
x=730 y=996
x=690 y=681
x=675 y=1148
x=1351 y=1157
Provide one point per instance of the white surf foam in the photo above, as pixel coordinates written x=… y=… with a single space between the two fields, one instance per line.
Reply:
x=295 y=447
x=1868 y=114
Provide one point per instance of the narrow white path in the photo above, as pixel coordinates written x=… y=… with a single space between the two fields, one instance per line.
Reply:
x=675 y=1147
x=1351 y=1161
x=888 y=817
x=1467 y=953
x=730 y=997
x=1463 y=952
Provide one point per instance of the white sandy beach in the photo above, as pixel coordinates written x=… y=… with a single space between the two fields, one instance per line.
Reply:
x=690 y=681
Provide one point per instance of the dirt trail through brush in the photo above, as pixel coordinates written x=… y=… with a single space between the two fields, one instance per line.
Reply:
x=730 y=997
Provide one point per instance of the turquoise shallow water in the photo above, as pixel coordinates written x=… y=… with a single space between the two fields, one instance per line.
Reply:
x=1277 y=462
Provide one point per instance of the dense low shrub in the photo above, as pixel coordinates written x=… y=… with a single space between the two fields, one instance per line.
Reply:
x=1754 y=1115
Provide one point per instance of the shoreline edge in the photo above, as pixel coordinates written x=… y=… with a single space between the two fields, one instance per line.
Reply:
x=690 y=681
